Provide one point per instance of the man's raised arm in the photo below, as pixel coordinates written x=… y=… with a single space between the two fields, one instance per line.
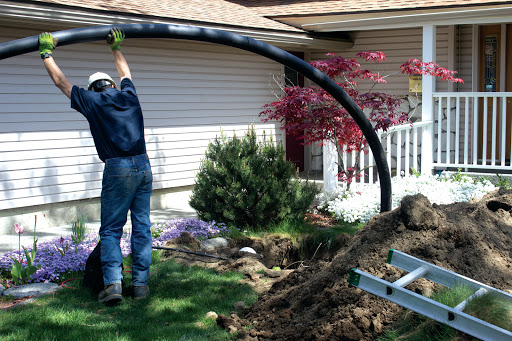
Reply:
x=114 y=39
x=46 y=45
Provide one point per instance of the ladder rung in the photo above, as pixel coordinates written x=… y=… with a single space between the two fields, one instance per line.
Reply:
x=463 y=304
x=411 y=276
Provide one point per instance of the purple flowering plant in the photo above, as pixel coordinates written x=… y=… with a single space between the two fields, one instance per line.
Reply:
x=200 y=229
x=55 y=261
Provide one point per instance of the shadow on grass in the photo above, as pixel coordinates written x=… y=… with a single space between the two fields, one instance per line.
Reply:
x=175 y=310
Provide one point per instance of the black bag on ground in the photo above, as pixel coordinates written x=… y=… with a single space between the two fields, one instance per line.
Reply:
x=93 y=276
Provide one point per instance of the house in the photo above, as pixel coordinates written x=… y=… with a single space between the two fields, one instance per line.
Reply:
x=191 y=91
x=464 y=126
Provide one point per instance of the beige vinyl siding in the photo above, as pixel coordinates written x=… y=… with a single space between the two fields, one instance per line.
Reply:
x=399 y=45
x=189 y=92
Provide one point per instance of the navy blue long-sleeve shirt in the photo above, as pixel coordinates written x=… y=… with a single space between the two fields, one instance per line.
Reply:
x=115 y=119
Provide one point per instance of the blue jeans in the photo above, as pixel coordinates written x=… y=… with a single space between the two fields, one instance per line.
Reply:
x=127 y=185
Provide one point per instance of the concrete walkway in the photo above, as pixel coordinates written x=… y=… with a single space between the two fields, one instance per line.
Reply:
x=180 y=209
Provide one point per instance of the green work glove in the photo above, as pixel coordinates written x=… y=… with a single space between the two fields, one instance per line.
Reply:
x=115 y=38
x=46 y=43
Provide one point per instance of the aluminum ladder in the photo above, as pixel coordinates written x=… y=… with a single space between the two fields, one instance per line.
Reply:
x=454 y=317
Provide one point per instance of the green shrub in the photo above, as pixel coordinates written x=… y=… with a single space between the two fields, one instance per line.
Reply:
x=502 y=182
x=249 y=184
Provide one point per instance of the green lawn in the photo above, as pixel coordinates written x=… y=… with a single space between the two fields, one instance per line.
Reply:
x=175 y=310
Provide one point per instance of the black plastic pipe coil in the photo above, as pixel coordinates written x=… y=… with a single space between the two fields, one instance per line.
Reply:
x=95 y=33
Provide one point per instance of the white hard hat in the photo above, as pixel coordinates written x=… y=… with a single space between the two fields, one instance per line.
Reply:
x=100 y=76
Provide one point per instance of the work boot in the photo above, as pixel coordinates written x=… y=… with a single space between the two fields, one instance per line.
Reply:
x=112 y=294
x=140 y=292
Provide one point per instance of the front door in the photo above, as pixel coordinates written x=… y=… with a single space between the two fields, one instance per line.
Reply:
x=490 y=77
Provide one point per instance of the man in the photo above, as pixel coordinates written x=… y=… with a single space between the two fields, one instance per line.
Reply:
x=116 y=123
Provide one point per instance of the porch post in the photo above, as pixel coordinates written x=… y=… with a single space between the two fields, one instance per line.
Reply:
x=330 y=166
x=427 y=107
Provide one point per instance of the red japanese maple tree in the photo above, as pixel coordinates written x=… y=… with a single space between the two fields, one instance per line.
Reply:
x=313 y=115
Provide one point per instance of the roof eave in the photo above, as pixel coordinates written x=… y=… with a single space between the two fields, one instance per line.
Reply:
x=81 y=18
x=401 y=19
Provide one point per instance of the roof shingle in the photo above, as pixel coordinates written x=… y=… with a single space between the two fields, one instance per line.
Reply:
x=275 y=8
x=209 y=11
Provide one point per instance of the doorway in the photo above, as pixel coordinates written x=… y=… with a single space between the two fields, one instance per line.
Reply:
x=490 y=74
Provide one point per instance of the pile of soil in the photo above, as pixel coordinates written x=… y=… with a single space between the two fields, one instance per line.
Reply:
x=316 y=303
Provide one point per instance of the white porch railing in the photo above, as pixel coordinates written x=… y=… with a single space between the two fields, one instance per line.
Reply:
x=472 y=130
x=402 y=145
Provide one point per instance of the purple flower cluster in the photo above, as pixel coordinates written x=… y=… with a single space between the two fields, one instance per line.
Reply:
x=61 y=255
x=55 y=257
x=200 y=229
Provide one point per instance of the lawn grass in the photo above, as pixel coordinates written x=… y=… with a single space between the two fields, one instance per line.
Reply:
x=175 y=310
x=493 y=309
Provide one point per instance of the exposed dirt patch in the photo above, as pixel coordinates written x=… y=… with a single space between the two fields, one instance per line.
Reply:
x=257 y=268
x=271 y=252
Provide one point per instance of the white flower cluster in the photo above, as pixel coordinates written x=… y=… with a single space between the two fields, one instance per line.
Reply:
x=362 y=201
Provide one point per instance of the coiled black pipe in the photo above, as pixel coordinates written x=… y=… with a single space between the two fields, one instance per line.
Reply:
x=87 y=34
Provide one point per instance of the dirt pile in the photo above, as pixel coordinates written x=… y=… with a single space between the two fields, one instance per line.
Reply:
x=316 y=303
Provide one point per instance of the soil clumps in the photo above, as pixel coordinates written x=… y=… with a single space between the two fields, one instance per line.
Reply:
x=316 y=303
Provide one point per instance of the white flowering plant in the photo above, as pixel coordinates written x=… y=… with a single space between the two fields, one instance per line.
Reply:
x=362 y=201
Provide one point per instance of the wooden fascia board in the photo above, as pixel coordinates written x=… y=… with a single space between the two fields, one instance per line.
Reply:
x=400 y=19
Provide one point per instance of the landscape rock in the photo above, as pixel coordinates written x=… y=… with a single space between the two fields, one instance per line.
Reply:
x=248 y=250
x=273 y=273
x=31 y=289
x=232 y=329
x=211 y=315
x=211 y=245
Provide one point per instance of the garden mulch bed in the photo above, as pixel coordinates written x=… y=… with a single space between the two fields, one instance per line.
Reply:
x=321 y=220
x=8 y=303
x=316 y=303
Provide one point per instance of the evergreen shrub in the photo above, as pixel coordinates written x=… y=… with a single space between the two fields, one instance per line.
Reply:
x=249 y=184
